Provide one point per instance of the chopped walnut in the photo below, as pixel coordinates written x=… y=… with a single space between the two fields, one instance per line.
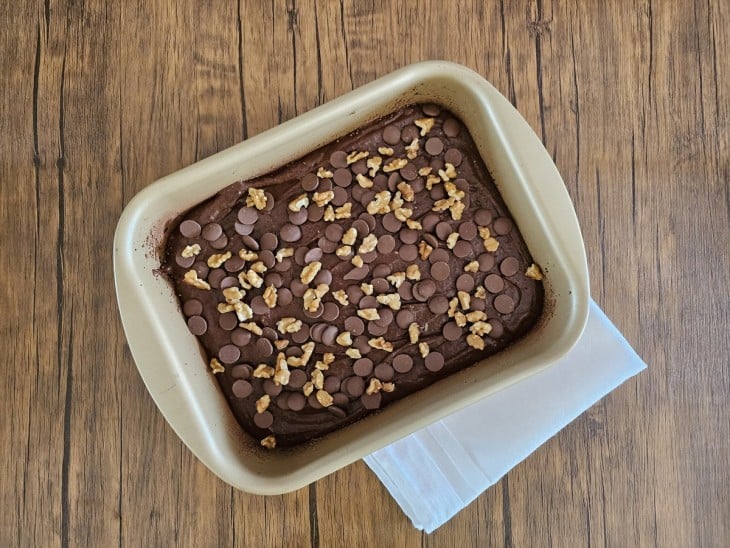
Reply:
x=298 y=203
x=395 y=164
x=281 y=372
x=397 y=278
x=308 y=388
x=443 y=204
x=452 y=239
x=374 y=386
x=432 y=180
x=412 y=149
x=343 y=251
x=243 y=311
x=424 y=250
x=388 y=387
x=396 y=201
x=254 y=278
x=324 y=398
x=288 y=325
x=259 y=267
x=460 y=319
x=449 y=173
x=380 y=203
x=349 y=237
x=484 y=232
x=414 y=332
x=413 y=224
x=425 y=171
x=344 y=339
x=355 y=156
x=281 y=344
x=381 y=344
x=392 y=300
x=329 y=214
x=464 y=299
x=233 y=294
x=190 y=251
x=256 y=198
x=353 y=353
x=269 y=442
x=311 y=300
x=357 y=261
x=491 y=245
x=403 y=213
x=413 y=272
x=367 y=288
x=247 y=255
x=344 y=211
x=252 y=327
x=453 y=191
x=284 y=252
x=475 y=316
x=424 y=349
x=323 y=198
x=374 y=164
x=303 y=360
x=534 y=272
x=263 y=371
x=385 y=151
x=224 y=307
x=310 y=271
x=453 y=305
x=368 y=244
x=216 y=366
x=363 y=181
x=323 y=173
x=328 y=358
x=270 y=296
x=472 y=267
x=480 y=292
x=191 y=278
x=317 y=378
x=406 y=191
x=341 y=297
x=475 y=341
x=369 y=314
x=425 y=124
x=481 y=328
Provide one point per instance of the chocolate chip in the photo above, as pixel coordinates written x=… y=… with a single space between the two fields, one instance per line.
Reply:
x=431 y=240
x=381 y=270
x=189 y=228
x=486 y=262
x=331 y=312
x=270 y=333
x=482 y=217
x=212 y=231
x=193 y=307
x=242 y=371
x=494 y=283
x=323 y=277
x=434 y=146
x=315 y=213
x=463 y=249
x=408 y=236
x=185 y=262
x=430 y=109
x=438 y=192
x=363 y=229
x=409 y=171
x=369 y=257
x=357 y=273
x=425 y=288
x=263 y=420
x=478 y=304
x=369 y=219
x=404 y=318
x=509 y=266
x=369 y=301
x=234 y=264
x=332 y=384
x=451 y=127
x=325 y=185
x=201 y=269
x=377 y=330
x=390 y=223
x=301 y=336
x=229 y=353
x=316 y=314
x=393 y=180
x=338 y=159
x=440 y=271
x=340 y=196
x=386 y=318
x=386 y=244
x=451 y=331
x=503 y=226
x=361 y=343
x=384 y=372
x=336 y=410
x=271 y=388
x=443 y=230
x=409 y=133
x=329 y=335
x=354 y=325
x=313 y=401
x=363 y=367
x=504 y=304
x=436 y=164
x=228 y=321
x=497 y=328
x=264 y=347
x=371 y=401
x=197 y=325
x=402 y=363
x=296 y=401
x=380 y=285
x=284 y=297
x=297 y=378
x=391 y=135
x=242 y=229
x=290 y=233
x=220 y=242
x=282 y=401
x=248 y=215
x=250 y=243
x=241 y=388
x=240 y=337
x=438 y=304
x=355 y=386
x=334 y=232
x=228 y=281
x=342 y=177
x=354 y=294
x=434 y=361
x=326 y=245
x=309 y=182
x=430 y=221
x=418 y=185
x=259 y=306
x=408 y=252
x=453 y=156
x=465 y=282
x=298 y=218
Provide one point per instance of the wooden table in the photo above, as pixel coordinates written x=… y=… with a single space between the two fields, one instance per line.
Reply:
x=98 y=100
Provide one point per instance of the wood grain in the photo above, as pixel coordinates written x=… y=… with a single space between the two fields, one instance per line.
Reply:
x=97 y=100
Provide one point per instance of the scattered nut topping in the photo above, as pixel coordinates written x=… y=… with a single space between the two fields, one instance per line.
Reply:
x=395 y=164
x=367 y=288
x=381 y=344
x=475 y=341
x=270 y=296
x=491 y=245
x=481 y=328
x=406 y=191
x=254 y=278
x=460 y=319
x=385 y=151
x=413 y=272
x=344 y=339
x=424 y=171
x=374 y=164
x=413 y=332
x=269 y=442
x=318 y=378
x=424 y=349
x=341 y=297
x=412 y=149
x=368 y=244
x=472 y=267
x=263 y=371
x=233 y=294
x=534 y=272
x=324 y=398
x=451 y=240
x=283 y=253
x=357 y=261
x=413 y=224
x=298 y=203
x=453 y=191
x=448 y=173
x=247 y=255
x=397 y=279
x=484 y=232
x=323 y=198
x=311 y=300
x=216 y=366
x=397 y=201
x=256 y=198
x=252 y=327
x=424 y=250
x=380 y=204
x=323 y=173
x=288 y=325
x=308 y=388
x=464 y=299
x=369 y=314
x=353 y=353
x=281 y=373
x=363 y=181
x=480 y=292
x=310 y=271
x=355 y=156
x=475 y=316
x=425 y=124
x=302 y=360
x=453 y=305
x=349 y=237
x=225 y=307
x=388 y=387
x=392 y=300
x=329 y=214
x=343 y=251
x=281 y=344
x=374 y=386
x=403 y=213
x=191 y=278
x=190 y=251
x=259 y=267
x=243 y=311
x=344 y=211
x=432 y=180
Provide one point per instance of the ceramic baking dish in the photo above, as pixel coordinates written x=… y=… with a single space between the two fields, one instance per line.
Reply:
x=168 y=356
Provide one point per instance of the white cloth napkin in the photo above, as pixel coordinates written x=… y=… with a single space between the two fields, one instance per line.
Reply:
x=442 y=468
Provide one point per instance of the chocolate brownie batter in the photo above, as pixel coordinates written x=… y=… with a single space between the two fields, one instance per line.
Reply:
x=353 y=277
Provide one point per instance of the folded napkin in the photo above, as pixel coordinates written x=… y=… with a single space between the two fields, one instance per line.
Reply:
x=442 y=468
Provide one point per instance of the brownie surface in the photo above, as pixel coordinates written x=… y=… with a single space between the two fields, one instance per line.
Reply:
x=353 y=277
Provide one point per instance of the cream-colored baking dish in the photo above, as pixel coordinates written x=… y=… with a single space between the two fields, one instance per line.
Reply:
x=169 y=359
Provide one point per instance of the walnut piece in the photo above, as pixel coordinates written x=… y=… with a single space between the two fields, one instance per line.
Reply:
x=323 y=173
x=385 y=151
x=191 y=278
x=413 y=272
x=363 y=181
x=270 y=296
x=471 y=267
x=412 y=149
x=464 y=299
x=323 y=198
x=343 y=251
x=281 y=372
x=357 y=261
x=406 y=191
x=252 y=327
x=534 y=272
x=355 y=156
x=388 y=387
x=256 y=198
x=247 y=255
x=317 y=378
x=380 y=204
x=475 y=316
x=269 y=442
x=475 y=341
x=233 y=294
x=381 y=344
x=324 y=398
x=341 y=297
x=413 y=332
x=368 y=244
x=452 y=239
x=426 y=124
x=344 y=211
x=310 y=271
x=424 y=349
x=374 y=164
x=344 y=339
x=263 y=403
x=216 y=366
x=329 y=214
x=480 y=292
x=413 y=224
x=392 y=300
x=284 y=252
x=374 y=386
x=424 y=250
x=288 y=325
x=298 y=203
x=367 y=288
x=263 y=371
x=353 y=353
x=395 y=164
x=349 y=237
x=190 y=251
x=308 y=388
x=397 y=279
x=369 y=314
x=481 y=328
